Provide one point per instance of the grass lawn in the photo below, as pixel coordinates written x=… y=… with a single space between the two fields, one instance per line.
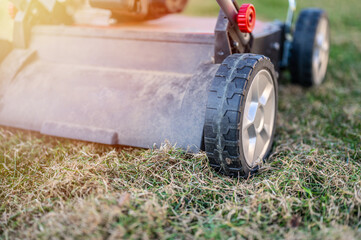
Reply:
x=309 y=188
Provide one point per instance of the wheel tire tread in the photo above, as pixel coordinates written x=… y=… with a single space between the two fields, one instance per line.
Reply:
x=227 y=93
x=302 y=46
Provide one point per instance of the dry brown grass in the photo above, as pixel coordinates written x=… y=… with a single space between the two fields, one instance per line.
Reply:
x=62 y=189
x=310 y=187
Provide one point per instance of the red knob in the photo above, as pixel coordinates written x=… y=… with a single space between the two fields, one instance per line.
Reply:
x=246 y=18
x=12 y=10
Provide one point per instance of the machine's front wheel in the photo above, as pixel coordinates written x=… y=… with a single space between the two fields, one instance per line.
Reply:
x=310 y=48
x=241 y=114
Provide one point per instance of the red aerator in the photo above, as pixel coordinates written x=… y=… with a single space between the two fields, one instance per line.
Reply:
x=246 y=18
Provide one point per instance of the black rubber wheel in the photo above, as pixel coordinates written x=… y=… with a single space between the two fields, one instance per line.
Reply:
x=310 y=48
x=228 y=105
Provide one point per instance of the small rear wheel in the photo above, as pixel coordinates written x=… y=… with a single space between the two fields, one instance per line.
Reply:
x=241 y=114
x=310 y=48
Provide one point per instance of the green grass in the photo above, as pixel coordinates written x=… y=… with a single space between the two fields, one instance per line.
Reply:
x=309 y=188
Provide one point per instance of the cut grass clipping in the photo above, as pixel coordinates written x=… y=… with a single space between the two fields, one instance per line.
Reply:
x=309 y=188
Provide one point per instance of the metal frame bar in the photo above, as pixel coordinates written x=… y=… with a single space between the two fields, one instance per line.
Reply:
x=228 y=38
x=288 y=33
x=291 y=12
x=230 y=9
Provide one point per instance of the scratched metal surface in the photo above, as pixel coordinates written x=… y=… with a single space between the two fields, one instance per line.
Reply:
x=119 y=86
x=127 y=84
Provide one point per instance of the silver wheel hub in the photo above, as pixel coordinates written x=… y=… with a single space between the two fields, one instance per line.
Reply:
x=258 y=118
x=321 y=52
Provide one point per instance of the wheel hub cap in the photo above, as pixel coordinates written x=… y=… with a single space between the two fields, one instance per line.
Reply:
x=258 y=118
x=321 y=52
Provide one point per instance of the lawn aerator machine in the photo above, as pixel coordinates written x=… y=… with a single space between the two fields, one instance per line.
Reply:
x=144 y=79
